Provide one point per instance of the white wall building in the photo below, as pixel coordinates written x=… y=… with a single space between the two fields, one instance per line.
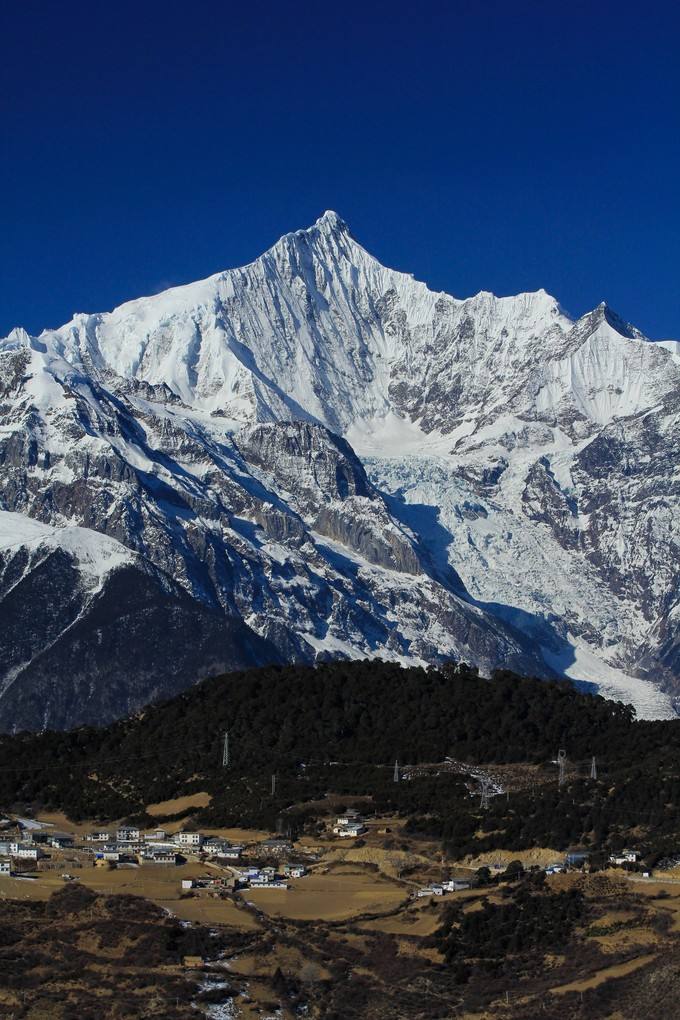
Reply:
x=189 y=839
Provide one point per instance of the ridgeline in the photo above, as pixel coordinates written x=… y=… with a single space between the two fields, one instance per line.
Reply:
x=337 y=728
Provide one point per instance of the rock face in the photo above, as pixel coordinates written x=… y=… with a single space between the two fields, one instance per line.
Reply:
x=315 y=455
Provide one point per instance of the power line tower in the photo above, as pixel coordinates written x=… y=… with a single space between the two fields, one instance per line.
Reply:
x=225 y=750
x=562 y=763
x=593 y=768
x=273 y=785
x=396 y=770
x=484 y=795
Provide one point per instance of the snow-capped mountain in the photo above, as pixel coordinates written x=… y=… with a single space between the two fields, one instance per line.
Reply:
x=315 y=455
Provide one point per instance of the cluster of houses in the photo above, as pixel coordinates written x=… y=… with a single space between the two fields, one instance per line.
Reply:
x=22 y=850
x=130 y=845
x=349 y=825
x=127 y=845
x=246 y=878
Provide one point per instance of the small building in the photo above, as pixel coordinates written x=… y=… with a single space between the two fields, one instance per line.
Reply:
x=108 y=855
x=191 y=840
x=456 y=885
x=188 y=883
x=26 y=851
x=268 y=883
x=100 y=836
x=229 y=853
x=294 y=870
x=625 y=857
x=128 y=834
x=61 y=840
x=276 y=847
x=215 y=845
x=350 y=817
x=5 y=867
x=153 y=848
x=40 y=836
x=157 y=836
x=349 y=829
x=165 y=857
x=577 y=859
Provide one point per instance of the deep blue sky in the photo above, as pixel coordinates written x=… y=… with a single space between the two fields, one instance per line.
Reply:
x=479 y=145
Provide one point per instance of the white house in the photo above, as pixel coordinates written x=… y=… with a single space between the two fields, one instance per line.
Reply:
x=350 y=829
x=350 y=817
x=154 y=848
x=101 y=836
x=128 y=834
x=109 y=855
x=190 y=839
x=165 y=857
x=26 y=851
x=294 y=870
x=625 y=857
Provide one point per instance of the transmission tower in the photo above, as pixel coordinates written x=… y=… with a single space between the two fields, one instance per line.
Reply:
x=225 y=750
x=484 y=795
x=273 y=785
x=593 y=768
x=396 y=770
x=562 y=763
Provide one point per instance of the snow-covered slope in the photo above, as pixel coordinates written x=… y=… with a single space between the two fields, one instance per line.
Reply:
x=517 y=504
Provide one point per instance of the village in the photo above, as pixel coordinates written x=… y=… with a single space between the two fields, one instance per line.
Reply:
x=29 y=847
x=360 y=879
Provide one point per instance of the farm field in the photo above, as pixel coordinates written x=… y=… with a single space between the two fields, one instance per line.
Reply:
x=161 y=885
x=329 y=897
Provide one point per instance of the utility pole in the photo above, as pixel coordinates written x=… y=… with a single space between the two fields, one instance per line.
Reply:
x=562 y=762
x=273 y=785
x=225 y=750
x=484 y=796
x=396 y=770
x=593 y=768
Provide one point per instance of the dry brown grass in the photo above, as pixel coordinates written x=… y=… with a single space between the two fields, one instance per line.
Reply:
x=177 y=804
x=328 y=897
x=160 y=884
x=606 y=974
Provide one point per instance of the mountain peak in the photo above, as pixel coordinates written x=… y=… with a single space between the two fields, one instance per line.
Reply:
x=605 y=313
x=332 y=222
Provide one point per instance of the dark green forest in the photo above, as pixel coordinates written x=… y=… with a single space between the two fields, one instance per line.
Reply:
x=337 y=729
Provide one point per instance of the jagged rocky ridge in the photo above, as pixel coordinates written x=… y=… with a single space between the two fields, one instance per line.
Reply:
x=515 y=502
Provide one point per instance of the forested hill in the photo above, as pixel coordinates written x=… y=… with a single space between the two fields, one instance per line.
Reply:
x=280 y=718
